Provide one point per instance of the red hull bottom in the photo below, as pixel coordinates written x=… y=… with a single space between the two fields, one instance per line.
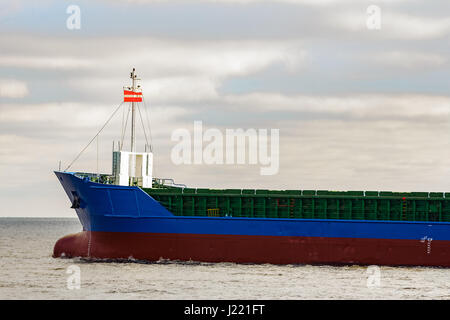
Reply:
x=254 y=249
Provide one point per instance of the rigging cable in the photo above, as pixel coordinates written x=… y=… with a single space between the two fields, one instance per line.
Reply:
x=148 y=124
x=142 y=122
x=125 y=128
x=107 y=121
x=121 y=128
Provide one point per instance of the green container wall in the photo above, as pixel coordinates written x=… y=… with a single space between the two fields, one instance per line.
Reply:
x=306 y=204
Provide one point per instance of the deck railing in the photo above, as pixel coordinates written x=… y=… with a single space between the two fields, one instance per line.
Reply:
x=132 y=181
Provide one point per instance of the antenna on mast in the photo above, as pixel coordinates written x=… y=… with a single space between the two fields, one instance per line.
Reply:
x=134 y=78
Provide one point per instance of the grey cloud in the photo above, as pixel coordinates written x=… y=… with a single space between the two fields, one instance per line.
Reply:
x=348 y=119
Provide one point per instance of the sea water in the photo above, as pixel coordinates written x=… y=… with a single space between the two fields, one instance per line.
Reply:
x=28 y=271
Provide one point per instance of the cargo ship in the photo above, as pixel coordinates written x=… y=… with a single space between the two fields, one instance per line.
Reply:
x=130 y=215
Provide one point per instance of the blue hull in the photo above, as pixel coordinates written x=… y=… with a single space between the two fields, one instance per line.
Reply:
x=111 y=208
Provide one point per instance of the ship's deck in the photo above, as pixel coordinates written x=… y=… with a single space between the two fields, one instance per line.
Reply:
x=295 y=204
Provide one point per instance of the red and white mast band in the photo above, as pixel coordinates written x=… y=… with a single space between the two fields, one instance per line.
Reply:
x=132 y=96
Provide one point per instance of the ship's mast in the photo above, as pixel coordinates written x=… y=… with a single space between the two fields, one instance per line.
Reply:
x=133 y=128
x=132 y=168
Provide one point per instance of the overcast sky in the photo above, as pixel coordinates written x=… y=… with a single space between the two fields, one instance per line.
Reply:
x=357 y=109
